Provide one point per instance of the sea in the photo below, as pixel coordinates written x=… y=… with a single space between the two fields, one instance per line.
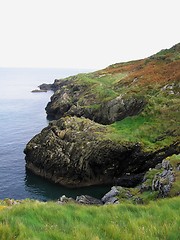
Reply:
x=22 y=116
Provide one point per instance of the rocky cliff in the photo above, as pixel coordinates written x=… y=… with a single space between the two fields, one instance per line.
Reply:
x=112 y=125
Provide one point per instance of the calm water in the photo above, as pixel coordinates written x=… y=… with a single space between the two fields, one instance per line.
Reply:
x=22 y=115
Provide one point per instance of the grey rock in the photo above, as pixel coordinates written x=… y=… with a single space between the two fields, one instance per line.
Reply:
x=46 y=87
x=162 y=182
x=63 y=199
x=118 y=108
x=110 y=195
x=158 y=166
x=166 y=164
x=85 y=199
x=112 y=200
x=79 y=100
x=164 y=173
x=178 y=167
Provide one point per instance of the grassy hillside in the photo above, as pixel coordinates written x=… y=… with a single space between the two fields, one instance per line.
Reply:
x=155 y=81
x=121 y=120
x=50 y=221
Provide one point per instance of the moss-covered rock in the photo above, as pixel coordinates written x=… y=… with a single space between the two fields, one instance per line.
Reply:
x=73 y=152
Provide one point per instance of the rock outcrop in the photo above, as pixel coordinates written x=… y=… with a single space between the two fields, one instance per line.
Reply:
x=159 y=182
x=38 y=90
x=111 y=197
x=112 y=125
x=47 y=87
x=74 y=99
x=82 y=199
x=74 y=152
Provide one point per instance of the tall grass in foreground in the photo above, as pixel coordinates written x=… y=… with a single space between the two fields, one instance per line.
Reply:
x=35 y=220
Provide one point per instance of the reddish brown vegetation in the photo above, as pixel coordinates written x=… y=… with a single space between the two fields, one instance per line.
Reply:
x=146 y=72
x=124 y=67
x=157 y=72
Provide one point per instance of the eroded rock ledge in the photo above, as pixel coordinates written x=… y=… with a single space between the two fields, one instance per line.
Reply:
x=74 y=99
x=75 y=152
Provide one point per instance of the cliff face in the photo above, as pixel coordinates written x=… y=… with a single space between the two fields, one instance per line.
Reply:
x=75 y=152
x=118 y=91
x=76 y=98
x=137 y=103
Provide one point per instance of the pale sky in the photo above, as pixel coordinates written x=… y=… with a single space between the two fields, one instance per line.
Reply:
x=85 y=33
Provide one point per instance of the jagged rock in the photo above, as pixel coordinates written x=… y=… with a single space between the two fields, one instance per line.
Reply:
x=73 y=152
x=166 y=164
x=63 y=199
x=158 y=166
x=158 y=182
x=85 y=199
x=46 y=87
x=118 y=194
x=162 y=178
x=110 y=197
x=162 y=182
x=74 y=99
x=117 y=109
x=112 y=200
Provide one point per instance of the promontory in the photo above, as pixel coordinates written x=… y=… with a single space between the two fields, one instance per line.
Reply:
x=110 y=126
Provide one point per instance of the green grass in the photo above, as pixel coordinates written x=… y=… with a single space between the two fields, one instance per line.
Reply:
x=36 y=221
x=140 y=129
x=175 y=162
x=155 y=127
x=172 y=53
x=104 y=79
x=101 y=86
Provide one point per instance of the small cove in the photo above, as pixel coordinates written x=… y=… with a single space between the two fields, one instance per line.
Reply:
x=22 y=115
